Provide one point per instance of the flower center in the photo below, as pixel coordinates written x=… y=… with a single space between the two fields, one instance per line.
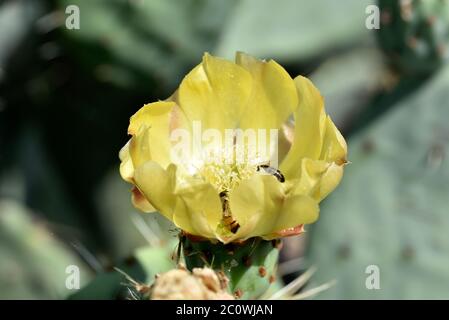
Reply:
x=225 y=177
x=224 y=169
x=224 y=173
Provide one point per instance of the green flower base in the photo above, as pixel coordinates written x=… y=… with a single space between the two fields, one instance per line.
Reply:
x=250 y=266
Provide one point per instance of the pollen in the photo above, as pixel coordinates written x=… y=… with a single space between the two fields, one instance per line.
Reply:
x=225 y=177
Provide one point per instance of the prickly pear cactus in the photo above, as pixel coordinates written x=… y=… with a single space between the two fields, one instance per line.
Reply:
x=133 y=57
x=35 y=264
x=141 y=267
x=391 y=210
x=249 y=266
x=415 y=34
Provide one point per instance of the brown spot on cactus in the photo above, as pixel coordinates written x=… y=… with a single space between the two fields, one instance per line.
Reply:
x=344 y=251
x=442 y=50
x=431 y=20
x=407 y=253
x=368 y=146
x=238 y=293
x=262 y=271
x=412 y=42
x=272 y=278
x=247 y=261
x=385 y=17
x=435 y=156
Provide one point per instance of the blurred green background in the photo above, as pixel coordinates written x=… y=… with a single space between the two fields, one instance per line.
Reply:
x=66 y=97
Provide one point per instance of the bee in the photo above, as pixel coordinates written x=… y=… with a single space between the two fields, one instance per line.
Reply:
x=223 y=194
x=273 y=171
x=231 y=223
x=227 y=217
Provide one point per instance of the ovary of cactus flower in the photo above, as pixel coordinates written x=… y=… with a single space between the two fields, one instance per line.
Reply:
x=250 y=266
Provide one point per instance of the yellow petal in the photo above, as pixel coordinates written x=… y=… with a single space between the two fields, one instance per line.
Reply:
x=334 y=145
x=329 y=181
x=126 y=164
x=296 y=210
x=140 y=202
x=285 y=141
x=317 y=178
x=255 y=203
x=309 y=127
x=261 y=207
x=215 y=92
x=139 y=147
x=334 y=151
x=150 y=114
x=311 y=172
x=153 y=120
x=158 y=186
x=198 y=210
x=273 y=98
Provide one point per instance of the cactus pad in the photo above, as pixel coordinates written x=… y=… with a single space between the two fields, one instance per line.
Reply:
x=250 y=266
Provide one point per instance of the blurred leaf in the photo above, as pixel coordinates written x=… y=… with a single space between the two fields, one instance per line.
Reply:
x=45 y=191
x=32 y=261
x=392 y=207
x=293 y=30
x=125 y=227
x=130 y=43
x=142 y=267
x=16 y=20
x=346 y=93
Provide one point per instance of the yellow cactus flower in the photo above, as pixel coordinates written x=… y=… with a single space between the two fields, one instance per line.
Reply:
x=232 y=191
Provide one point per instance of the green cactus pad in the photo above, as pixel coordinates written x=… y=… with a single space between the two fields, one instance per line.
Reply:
x=250 y=266
x=415 y=34
x=141 y=267
x=33 y=261
x=391 y=209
